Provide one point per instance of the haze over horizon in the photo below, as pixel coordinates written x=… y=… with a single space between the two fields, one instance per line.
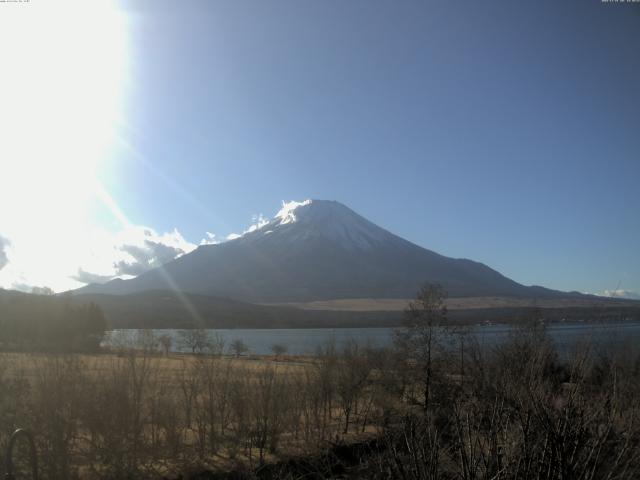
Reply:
x=502 y=133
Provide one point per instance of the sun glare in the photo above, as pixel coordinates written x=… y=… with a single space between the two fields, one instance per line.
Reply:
x=63 y=65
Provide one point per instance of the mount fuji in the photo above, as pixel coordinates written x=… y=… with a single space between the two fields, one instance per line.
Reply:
x=319 y=250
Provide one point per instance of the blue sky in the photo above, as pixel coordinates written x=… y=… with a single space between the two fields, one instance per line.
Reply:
x=506 y=132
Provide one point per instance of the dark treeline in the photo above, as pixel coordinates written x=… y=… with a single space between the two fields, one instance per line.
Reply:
x=49 y=323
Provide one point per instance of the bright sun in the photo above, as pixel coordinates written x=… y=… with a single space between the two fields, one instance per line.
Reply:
x=63 y=66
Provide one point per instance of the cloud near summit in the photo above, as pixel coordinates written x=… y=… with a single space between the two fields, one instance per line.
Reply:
x=150 y=255
x=257 y=221
x=620 y=293
x=4 y=258
x=134 y=251
x=139 y=249
x=95 y=255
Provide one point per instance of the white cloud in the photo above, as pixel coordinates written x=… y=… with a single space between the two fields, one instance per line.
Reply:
x=65 y=252
x=286 y=213
x=87 y=277
x=21 y=287
x=150 y=250
x=138 y=249
x=210 y=239
x=257 y=222
x=620 y=293
x=67 y=259
x=4 y=257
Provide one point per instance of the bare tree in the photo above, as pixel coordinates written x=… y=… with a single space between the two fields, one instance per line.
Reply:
x=166 y=341
x=268 y=410
x=421 y=337
x=146 y=340
x=216 y=344
x=278 y=349
x=352 y=373
x=238 y=347
x=196 y=340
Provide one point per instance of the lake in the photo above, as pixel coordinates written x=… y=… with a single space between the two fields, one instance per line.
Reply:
x=306 y=341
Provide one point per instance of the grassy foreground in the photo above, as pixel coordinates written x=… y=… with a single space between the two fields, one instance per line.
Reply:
x=511 y=412
x=141 y=414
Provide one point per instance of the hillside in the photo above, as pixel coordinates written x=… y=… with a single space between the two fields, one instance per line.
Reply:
x=320 y=250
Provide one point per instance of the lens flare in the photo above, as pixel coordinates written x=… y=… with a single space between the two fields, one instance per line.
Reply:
x=63 y=71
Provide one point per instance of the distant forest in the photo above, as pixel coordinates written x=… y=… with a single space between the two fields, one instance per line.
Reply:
x=49 y=323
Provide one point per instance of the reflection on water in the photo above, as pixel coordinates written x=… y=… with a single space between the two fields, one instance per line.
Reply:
x=605 y=337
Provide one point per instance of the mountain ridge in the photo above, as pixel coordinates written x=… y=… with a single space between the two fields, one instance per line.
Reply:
x=319 y=250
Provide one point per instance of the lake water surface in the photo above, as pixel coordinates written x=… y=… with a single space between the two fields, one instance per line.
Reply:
x=301 y=341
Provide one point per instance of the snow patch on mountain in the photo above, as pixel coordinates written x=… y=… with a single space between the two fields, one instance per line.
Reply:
x=330 y=220
x=313 y=219
x=287 y=212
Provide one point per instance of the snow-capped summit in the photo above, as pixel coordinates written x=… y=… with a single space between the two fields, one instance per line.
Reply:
x=318 y=250
x=301 y=221
x=287 y=212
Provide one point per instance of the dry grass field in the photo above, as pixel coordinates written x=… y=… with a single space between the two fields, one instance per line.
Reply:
x=139 y=414
x=458 y=303
x=511 y=411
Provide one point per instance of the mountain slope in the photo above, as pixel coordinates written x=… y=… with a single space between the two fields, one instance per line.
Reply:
x=318 y=250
